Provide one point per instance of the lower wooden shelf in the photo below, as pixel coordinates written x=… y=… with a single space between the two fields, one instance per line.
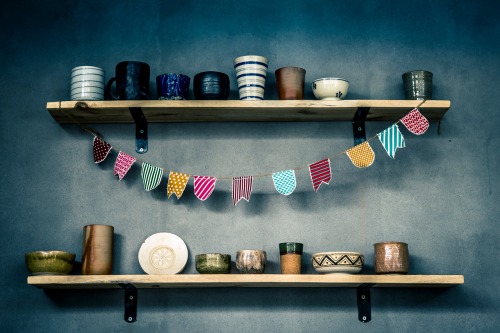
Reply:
x=241 y=280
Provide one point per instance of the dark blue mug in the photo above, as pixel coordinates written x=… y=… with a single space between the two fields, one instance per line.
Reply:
x=132 y=81
x=172 y=86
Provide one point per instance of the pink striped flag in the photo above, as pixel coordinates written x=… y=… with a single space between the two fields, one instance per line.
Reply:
x=242 y=188
x=320 y=173
x=204 y=186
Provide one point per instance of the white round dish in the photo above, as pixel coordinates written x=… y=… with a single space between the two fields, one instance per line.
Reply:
x=162 y=254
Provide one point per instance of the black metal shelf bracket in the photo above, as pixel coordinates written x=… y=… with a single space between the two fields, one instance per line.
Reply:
x=358 y=125
x=141 y=130
x=364 y=303
x=130 y=302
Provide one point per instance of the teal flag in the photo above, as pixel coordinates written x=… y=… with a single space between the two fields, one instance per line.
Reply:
x=151 y=176
x=285 y=182
x=392 y=139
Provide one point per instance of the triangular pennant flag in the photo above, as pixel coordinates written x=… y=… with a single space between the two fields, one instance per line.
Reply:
x=415 y=122
x=361 y=155
x=101 y=149
x=242 y=188
x=122 y=164
x=320 y=173
x=151 y=176
x=285 y=182
x=204 y=186
x=392 y=139
x=177 y=183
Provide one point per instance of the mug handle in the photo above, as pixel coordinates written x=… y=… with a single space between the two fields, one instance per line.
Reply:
x=109 y=92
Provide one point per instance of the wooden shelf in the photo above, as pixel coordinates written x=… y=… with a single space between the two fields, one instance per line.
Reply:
x=156 y=111
x=242 y=280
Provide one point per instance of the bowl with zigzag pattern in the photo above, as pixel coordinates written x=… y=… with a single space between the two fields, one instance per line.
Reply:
x=338 y=262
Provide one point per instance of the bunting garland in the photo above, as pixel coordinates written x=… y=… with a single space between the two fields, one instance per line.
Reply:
x=392 y=139
x=285 y=182
x=151 y=176
x=123 y=164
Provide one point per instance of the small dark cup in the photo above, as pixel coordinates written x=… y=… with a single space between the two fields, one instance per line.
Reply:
x=172 y=86
x=211 y=85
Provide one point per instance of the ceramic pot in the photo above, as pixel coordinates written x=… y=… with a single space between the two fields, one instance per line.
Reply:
x=211 y=85
x=97 y=254
x=391 y=258
x=290 y=82
x=291 y=257
x=251 y=72
x=251 y=261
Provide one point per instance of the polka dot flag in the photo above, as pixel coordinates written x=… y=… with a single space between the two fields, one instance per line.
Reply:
x=415 y=122
x=177 y=183
x=101 y=149
x=361 y=155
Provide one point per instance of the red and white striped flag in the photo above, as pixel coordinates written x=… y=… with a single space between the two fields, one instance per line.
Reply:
x=204 y=186
x=242 y=188
x=320 y=173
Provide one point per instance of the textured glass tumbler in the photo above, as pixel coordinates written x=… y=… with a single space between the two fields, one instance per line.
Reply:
x=417 y=85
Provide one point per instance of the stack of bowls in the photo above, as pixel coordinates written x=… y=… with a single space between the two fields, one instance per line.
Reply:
x=251 y=71
x=87 y=83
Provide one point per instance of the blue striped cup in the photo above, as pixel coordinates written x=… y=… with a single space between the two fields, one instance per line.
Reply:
x=251 y=72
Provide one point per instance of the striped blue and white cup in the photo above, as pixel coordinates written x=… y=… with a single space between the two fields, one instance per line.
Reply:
x=87 y=83
x=251 y=71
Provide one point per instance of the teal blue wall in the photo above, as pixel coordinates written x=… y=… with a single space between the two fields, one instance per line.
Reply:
x=440 y=194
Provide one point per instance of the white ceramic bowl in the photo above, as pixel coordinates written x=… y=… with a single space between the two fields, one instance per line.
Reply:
x=338 y=262
x=330 y=88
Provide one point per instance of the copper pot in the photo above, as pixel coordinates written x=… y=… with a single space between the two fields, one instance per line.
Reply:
x=391 y=258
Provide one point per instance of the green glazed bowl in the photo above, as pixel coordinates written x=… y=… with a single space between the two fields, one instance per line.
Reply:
x=49 y=262
x=213 y=263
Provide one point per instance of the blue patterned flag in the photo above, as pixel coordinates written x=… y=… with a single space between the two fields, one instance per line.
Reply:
x=392 y=139
x=284 y=182
x=151 y=176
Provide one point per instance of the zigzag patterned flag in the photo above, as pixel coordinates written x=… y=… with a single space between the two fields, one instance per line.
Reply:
x=415 y=122
x=123 y=164
x=151 y=176
x=361 y=155
x=177 y=183
x=101 y=149
x=320 y=173
x=285 y=182
x=392 y=139
x=241 y=188
x=204 y=186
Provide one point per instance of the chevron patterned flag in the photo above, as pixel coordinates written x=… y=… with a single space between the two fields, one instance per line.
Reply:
x=392 y=139
x=320 y=173
x=361 y=155
x=204 y=186
x=285 y=182
x=123 y=164
x=151 y=176
x=241 y=188
x=415 y=122
x=177 y=183
x=101 y=149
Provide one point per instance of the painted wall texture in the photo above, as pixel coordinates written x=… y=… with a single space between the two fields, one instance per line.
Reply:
x=440 y=194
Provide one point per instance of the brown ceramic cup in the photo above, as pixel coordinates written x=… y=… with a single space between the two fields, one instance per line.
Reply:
x=97 y=254
x=290 y=82
x=391 y=258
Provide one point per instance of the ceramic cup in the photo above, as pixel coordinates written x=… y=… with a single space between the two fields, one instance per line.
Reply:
x=172 y=86
x=211 y=85
x=251 y=261
x=97 y=254
x=87 y=83
x=391 y=258
x=290 y=82
x=251 y=72
x=291 y=257
x=132 y=81
x=417 y=84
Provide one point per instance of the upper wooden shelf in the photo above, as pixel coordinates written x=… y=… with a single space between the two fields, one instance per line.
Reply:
x=242 y=280
x=157 y=111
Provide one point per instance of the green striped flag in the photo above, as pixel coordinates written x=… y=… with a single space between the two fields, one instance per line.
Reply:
x=151 y=176
x=392 y=139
